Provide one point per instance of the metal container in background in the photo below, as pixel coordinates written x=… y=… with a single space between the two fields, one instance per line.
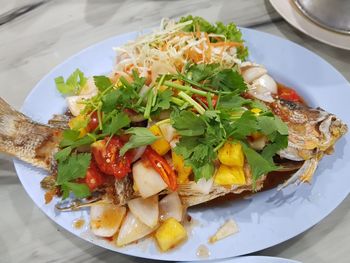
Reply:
x=331 y=14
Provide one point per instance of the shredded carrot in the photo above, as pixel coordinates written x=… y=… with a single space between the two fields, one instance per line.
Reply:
x=228 y=44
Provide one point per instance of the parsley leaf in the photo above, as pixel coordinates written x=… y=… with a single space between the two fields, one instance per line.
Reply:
x=140 y=137
x=102 y=82
x=73 y=84
x=73 y=168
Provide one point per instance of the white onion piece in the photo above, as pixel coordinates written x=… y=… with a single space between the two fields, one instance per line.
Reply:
x=167 y=130
x=105 y=219
x=146 y=210
x=229 y=228
x=131 y=230
x=138 y=153
x=170 y=206
x=203 y=186
x=74 y=103
x=267 y=82
x=262 y=88
x=90 y=88
x=253 y=73
x=147 y=180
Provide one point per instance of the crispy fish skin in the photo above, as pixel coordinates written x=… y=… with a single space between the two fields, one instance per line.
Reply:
x=312 y=132
x=27 y=140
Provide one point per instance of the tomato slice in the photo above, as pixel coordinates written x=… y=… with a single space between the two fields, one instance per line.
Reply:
x=93 y=123
x=288 y=94
x=162 y=167
x=94 y=177
x=108 y=159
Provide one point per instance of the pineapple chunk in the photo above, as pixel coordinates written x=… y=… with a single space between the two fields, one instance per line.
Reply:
x=170 y=234
x=183 y=172
x=161 y=146
x=231 y=154
x=227 y=175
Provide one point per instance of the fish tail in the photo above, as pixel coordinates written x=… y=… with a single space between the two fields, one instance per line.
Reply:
x=25 y=139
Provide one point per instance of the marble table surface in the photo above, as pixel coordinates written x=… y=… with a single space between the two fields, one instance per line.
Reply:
x=36 y=35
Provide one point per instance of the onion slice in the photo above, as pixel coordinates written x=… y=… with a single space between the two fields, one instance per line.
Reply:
x=146 y=210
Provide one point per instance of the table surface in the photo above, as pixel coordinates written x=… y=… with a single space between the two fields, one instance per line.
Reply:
x=36 y=35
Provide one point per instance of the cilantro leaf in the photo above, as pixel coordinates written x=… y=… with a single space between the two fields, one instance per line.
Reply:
x=212 y=75
x=244 y=126
x=206 y=171
x=228 y=80
x=188 y=124
x=185 y=147
x=79 y=190
x=200 y=72
x=73 y=84
x=163 y=100
x=258 y=164
x=102 y=82
x=69 y=137
x=269 y=125
x=63 y=154
x=140 y=137
x=72 y=138
x=231 y=102
x=110 y=100
x=279 y=142
x=119 y=121
x=73 y=168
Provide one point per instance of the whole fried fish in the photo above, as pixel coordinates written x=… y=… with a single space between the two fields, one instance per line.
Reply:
x=312 y=133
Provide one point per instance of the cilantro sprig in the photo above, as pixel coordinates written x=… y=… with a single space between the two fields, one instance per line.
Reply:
x=74 y=83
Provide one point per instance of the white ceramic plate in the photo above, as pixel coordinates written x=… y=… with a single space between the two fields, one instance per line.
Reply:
x=265 y=219
x=288 y=10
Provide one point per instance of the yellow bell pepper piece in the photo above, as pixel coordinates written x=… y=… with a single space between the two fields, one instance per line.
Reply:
x=183 y=172
x=170 y=234
x=231 y=154
x=78 y=123
x=230 y=175
x=256 y=111
x=161 y=146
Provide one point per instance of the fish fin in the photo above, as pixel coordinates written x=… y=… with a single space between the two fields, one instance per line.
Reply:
x=25 y=139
